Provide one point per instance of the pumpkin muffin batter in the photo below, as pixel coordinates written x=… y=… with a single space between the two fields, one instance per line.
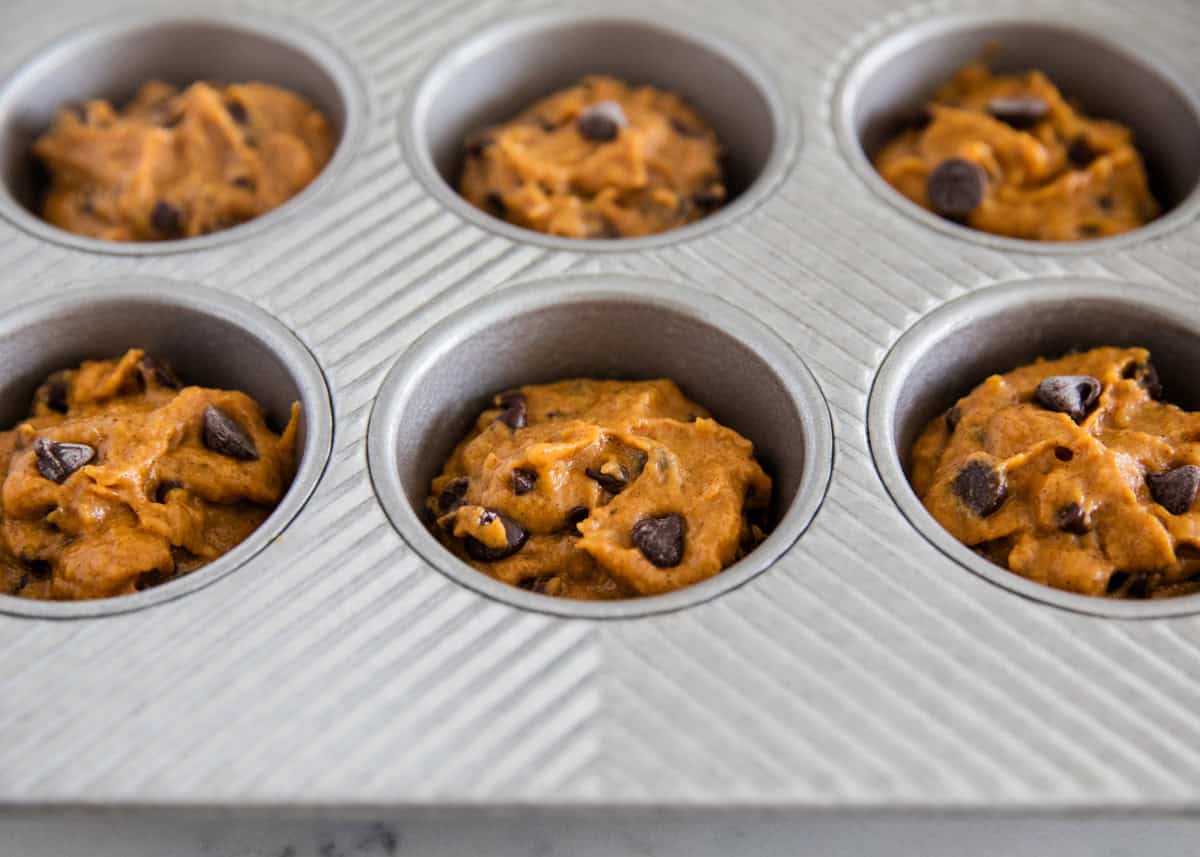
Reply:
x=122 y=479
x=1071 y=473
x=177 y=164
x=600 y=490
x=601 y=159
x=1007 y=154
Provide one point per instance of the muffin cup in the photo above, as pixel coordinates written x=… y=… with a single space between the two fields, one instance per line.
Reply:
x=621 y=327
x=956 y=347
x=212 y=340
x=112 y=59
x=1109 y=73
x=494 y=75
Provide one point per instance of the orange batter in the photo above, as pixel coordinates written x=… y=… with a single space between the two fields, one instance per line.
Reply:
x=601 y=159
x=121 y=479
x=1071 y=473
x=177 y=164
x=600 y=489
x=1029 y=165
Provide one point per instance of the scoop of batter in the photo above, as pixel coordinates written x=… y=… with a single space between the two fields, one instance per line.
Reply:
x=122 y=479
x=177 y=164
x=1007 y=154
x=599 y=490
x=599 y=160
x=1071 y=473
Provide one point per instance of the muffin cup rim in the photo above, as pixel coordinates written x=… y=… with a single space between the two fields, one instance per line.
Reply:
x=973 y=308
x=786 y=117
x=543 y=293
x=911 y=32
x=313 y=458
x=286 y=30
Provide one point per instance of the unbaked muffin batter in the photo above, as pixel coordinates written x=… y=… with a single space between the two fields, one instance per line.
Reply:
x=600 y=489
x=123 y=479
x=175 y=164
x=601 y=159
x=1007 y=154
x=1071 y=473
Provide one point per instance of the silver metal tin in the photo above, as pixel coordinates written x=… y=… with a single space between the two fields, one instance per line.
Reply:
x=601 y=326
x=111 y=59
x=495 y=74
x=212 y=340
x=863 y=694
x=954 y=348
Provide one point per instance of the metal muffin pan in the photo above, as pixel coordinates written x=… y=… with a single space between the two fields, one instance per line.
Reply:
x=602 y=326
x=210 y=339
x=864 y=692
x=111 y=59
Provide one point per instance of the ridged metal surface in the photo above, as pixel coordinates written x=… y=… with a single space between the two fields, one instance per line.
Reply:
x=864 y=669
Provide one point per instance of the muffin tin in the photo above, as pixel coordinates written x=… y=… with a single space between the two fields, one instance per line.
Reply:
x=851 y=684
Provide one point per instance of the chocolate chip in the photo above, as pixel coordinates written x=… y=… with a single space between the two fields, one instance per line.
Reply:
x=1116 y=582
x=956 y=187
x=1021 y=111
x=1175 y=489
x=601 y=122
x=54 y=394
x=953 y=416
x=981 y=488
x=1063 y=453
x=57 y=461
x=237 y=111
x=536 y=584
x=513 y=409
x=610 y=482
x=1071 y=518
x=39 y=569
x=523 y=480
x=575 y=516
x=452 y=494
x=514 y=534
x=162 y=374
x=223 y=435
x=1147 y=377
x=1073 y=395
x=660 y=539
x=1081 y=153
x=150 y=579
x=245 y=183
x=164 y=488
x=166 y=219
x=495 y=204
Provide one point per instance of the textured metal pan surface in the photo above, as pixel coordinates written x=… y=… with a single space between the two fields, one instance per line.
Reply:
x=864 y=669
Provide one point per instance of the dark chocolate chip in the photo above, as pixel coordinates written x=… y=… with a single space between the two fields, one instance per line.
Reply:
x=661 y=539
x=523 y=480
x=611 y=483
x=981 y=488
x=1021 y=111
x=164 y=488
x=452 y=494
x=1081 y=153
x=237 y=111
x=1175 y=489
x=513 y=409
x=1147 y=377
x=1116 y=582
x=601 y=122
x=245 y=183
x=1073 y=395
x=495 y=204
x=515 y=537
x=57 y=461
x=166 y=219
x=1063 y=453
x=575 y=516
x=956 y=187
x=160 y=372
x=536 y=584
x=54 y=394
x=953 y=416
x=39 y=569
x=1072 y=518
x=150 y=579
x=223 y=435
